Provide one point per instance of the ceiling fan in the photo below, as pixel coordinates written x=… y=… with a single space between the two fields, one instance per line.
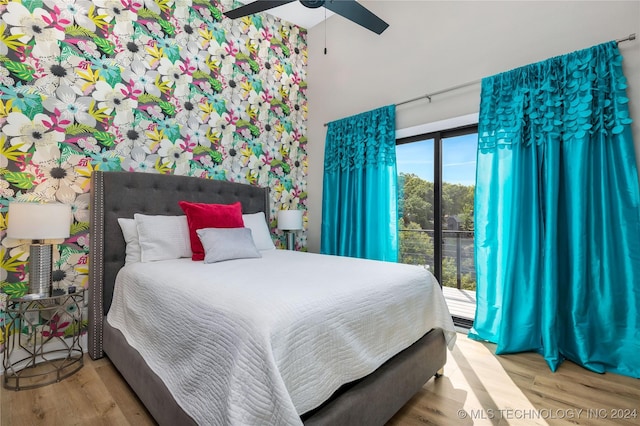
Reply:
x=349 y=9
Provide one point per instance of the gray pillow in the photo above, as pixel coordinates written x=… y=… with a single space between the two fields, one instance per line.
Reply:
x=227 y=244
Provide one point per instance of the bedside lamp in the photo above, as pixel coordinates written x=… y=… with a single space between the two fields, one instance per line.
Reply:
x=290 y=221
x=39 y=222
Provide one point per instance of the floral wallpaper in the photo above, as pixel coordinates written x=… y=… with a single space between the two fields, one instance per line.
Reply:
x=159 y=86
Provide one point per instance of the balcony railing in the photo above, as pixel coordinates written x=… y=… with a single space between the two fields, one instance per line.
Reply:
x=458 y=268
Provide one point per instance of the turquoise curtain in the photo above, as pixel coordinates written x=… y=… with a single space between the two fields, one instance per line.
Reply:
x=557 y=213
x=359 y=197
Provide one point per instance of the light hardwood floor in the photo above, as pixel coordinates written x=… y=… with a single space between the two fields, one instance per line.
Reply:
x=478 y=388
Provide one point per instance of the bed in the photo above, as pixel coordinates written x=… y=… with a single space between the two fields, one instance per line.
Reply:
x=368 y=400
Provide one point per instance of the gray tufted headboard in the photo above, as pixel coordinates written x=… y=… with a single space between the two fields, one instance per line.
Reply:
x=121 y=194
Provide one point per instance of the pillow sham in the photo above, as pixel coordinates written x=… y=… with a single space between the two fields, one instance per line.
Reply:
x=227 y=244
x=257 y=222
x=162 y=237
x=200 y=216
x=130 y=234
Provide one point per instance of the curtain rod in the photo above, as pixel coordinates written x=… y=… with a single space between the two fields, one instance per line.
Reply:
x=439 y=92
x=627 y=38
x=471 y=83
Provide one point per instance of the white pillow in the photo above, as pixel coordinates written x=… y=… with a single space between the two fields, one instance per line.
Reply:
x=257 y=222
x=227 y=244
x=162 y=237
x=130 y=234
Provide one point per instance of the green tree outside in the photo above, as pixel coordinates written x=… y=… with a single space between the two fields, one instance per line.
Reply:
x=417 y=224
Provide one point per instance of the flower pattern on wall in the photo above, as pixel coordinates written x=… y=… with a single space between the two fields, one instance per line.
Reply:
x=159 y=86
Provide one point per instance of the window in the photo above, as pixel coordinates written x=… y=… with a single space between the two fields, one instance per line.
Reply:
x=436 y=181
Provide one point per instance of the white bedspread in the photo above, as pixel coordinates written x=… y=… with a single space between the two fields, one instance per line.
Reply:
x=258 y=341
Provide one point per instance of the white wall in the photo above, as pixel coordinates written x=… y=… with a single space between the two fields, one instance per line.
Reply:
x=433 y=45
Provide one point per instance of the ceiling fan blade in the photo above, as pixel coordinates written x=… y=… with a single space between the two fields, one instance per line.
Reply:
x=357 y=13
x=255 y=7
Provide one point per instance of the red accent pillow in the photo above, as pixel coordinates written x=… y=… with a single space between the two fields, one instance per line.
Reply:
x=200 y=215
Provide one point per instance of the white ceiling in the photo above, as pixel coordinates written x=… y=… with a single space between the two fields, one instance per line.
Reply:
x=298 y=14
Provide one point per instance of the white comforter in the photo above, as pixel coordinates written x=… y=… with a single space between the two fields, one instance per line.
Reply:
x=258 y=341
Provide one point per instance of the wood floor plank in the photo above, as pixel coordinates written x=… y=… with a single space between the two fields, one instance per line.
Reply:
x=94 y=395
x=125 y=398
x=80 y=399
x=519 y=389
x=479 y=388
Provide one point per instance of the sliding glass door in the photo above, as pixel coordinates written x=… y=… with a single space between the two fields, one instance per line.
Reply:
x=436 y=183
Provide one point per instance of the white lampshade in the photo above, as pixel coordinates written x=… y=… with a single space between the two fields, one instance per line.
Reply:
x=36 y=221
x=290 y=220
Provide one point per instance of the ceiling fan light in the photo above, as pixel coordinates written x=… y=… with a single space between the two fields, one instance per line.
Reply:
x=312 y=4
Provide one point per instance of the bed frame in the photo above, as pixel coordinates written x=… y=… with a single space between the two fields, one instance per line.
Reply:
x=369 y=401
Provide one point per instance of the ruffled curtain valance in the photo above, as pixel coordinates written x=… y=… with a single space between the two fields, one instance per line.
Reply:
x=364 y=139
x=558 y=100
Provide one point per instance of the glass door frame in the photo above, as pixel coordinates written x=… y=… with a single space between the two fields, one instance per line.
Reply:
x=437 y=137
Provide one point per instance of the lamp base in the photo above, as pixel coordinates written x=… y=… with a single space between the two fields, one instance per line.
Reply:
x=40 y=256
x=291 y=240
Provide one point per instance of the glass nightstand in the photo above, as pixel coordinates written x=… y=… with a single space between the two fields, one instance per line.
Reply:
x=42 y=340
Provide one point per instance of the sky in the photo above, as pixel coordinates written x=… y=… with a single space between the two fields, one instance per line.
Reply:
x=458 y=159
